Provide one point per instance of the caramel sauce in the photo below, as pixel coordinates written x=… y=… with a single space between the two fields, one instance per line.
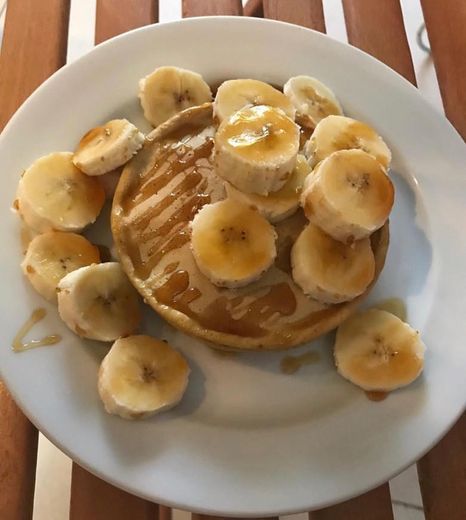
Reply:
x=19 y=345
x=376 y=396
x=291 y=364
x=218 y=314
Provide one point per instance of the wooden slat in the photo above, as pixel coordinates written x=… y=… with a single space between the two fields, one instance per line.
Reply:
x=34 y=46
x=254 y=8
x=442 y=476
x=211 y=7
x=446 y=23
x=165 y=513
x=29 y=26
x=378 y=29
x=308 y=13
x=374 y=505
x=18 y=453
x=92 y=498
x=114 y=17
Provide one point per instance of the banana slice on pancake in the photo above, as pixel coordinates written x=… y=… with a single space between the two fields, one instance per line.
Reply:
x=256 y=149
x=328 y=270
x=232 y=243
x=349 y=195
x=335 y=133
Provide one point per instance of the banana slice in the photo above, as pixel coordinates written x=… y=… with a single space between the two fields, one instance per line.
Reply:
x=349 y=195
x=169 y=90
x=54 y=194
x=235 y=94
x=232 y=243
x=312 y=99
x=98 y=302
x=53 y=255
x=378 y=352
x=278 y=205
x=105 y=148
x=329 y=271
x=141 y=376
x=343 y=133
x=256 y=149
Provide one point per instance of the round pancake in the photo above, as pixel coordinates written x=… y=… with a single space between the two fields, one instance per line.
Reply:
x=158 y=194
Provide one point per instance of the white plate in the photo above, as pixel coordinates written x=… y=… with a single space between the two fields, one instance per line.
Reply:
x=248 y=440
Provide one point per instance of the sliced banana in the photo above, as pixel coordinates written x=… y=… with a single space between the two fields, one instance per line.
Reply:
x=349 y=195
x=98 y=302
x=53 y=255
x=278 y=205
x=235 y=94
x=335 y=133
x=55 y=195
x=312 y=99
x=378 y=352
x=105 y=148
x=169 y=90
x=232 y=243
x=141 y=376
x=256 y=149
x=330 y=271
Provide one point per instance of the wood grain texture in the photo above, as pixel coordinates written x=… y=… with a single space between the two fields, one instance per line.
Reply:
x=29 y=26
x=211 y=7
x=378 y=29
x=442 y=476
x=309 y=13
x=34 y=47
x=374 y=505
x=92 y=498
x=254 y=8
x=18 y=453
x=114 y=17
x=446 y=24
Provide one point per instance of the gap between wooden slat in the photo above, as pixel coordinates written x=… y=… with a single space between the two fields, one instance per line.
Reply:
x=211 y=7
x=446 y=26
x=34 y=47
x=378 y=29
x=114 y=17
x=374 y=505
x=442 y=476
x=309 y=13
x=29 y=25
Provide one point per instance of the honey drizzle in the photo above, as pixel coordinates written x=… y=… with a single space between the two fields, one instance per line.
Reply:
x=18 y=343
x=217 y=315
x=291 y=364
x=376 y=396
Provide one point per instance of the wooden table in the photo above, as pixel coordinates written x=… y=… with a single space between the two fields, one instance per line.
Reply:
x=34 y=46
